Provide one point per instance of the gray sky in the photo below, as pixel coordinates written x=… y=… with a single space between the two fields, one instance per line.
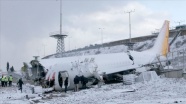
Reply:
x=25 y=25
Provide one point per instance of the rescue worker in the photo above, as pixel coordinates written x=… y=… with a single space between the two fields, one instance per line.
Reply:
x=76 y=82
x=6 y=81
x=66 y=84
x=10 y=80
x=2 y=81
x=20 y=84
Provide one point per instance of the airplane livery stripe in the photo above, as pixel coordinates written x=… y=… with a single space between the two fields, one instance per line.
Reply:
x=166 y=41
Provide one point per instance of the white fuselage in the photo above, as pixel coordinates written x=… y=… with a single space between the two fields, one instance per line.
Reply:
x=105 y=63
x=86 y=65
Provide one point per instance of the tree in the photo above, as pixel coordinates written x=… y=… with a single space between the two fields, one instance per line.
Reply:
x=12 y=69
x=7 y=66
x=24 y=70
x=25 y=67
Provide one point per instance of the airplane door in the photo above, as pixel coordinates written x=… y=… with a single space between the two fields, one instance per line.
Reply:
x=62 y=75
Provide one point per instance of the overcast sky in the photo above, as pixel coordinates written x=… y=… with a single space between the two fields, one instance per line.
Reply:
x=25 y=25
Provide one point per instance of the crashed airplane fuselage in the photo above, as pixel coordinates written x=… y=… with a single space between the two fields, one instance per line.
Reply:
x=92 y=66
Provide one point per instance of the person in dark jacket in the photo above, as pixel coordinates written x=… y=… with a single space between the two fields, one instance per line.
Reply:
x=2 y=81
x=130 y=57
x=66 y=84
x=20 y=84
x=61 y=82
x=84 y=81
x=76 y=82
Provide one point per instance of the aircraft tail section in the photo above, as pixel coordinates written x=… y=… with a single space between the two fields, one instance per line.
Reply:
x=161 y=45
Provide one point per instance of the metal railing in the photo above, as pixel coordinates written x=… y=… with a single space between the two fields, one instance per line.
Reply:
x=177 y=58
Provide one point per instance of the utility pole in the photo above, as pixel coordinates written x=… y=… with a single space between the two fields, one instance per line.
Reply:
x=101 y=35
x=130 y=23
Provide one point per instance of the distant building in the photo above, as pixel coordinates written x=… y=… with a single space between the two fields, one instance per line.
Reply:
x=181 y=27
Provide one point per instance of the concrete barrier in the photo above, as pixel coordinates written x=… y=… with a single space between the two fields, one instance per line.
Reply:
x=128 y=79
x=184 y=75
x=173 y=73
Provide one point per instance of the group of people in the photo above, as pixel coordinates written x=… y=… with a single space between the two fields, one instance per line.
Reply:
x=6 y=81
x=81 y=79
x=77 y=81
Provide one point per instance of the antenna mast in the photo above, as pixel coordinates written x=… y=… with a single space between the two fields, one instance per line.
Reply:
x=60 y=16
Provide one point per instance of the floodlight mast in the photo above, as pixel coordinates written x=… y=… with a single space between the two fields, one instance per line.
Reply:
x=60 y=37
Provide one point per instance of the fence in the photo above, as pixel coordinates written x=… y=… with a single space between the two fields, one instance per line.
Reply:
x=177 y=59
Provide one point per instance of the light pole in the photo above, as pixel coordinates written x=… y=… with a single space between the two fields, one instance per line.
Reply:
x=44 y=48
x=101 y=35
x=69 y=43
x=130 y=23
x=38 y=51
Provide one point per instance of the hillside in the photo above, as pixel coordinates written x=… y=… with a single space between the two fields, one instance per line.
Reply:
x=175 y=55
